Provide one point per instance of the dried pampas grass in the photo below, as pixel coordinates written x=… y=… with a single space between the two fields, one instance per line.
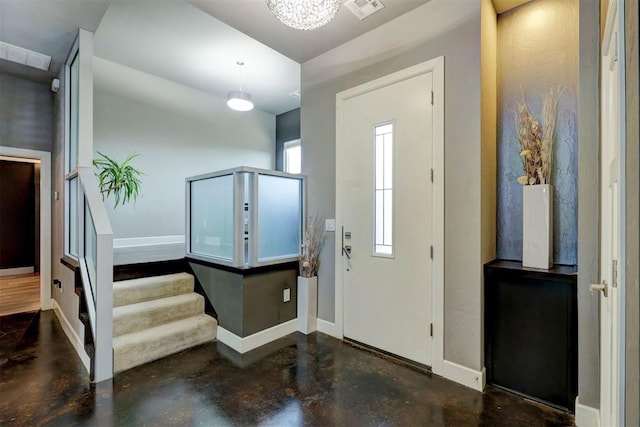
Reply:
x=536 y=140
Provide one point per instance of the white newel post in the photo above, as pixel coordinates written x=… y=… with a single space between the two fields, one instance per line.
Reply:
x=307 y=304
x=537 y=226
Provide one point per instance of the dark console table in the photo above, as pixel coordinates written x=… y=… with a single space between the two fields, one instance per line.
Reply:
x=531 y=331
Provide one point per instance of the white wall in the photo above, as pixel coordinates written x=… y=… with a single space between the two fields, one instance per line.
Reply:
x=179 y=132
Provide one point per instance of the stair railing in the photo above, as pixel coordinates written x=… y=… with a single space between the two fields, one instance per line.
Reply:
x=95 y=254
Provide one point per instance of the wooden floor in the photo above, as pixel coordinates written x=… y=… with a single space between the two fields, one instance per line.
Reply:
x=19 y=294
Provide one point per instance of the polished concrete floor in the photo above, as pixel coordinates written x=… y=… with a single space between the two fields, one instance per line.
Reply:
x=315 y=381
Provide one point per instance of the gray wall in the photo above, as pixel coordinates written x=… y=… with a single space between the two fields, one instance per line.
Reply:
x=249 y=302
x=463 y=267
x=287 y=129
x=538 y=50
x=632 y=404
x=588 y=204
x=65 y=297
x=26 y=114
x=174 y=145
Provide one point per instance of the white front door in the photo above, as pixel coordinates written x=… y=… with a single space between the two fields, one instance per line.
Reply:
x=610 y=215
x=387 y=137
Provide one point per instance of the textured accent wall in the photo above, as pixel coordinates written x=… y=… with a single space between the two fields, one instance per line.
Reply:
x=538 y=49
x=26 y=114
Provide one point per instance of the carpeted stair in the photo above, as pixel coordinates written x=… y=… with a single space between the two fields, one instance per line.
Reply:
x=154 y=317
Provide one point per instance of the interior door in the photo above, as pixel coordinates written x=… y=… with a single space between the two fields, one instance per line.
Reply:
x=610 y=409
x=387 y=217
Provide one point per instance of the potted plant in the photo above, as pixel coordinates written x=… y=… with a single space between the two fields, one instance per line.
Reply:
x=536 y=153
x=120 y=179
x=309 y=263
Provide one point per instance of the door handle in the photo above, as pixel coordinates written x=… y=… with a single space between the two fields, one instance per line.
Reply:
x=603 y=287
x=346 y=250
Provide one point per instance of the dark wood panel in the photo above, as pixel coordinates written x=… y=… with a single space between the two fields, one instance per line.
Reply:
x=17 y=214
x=531 y=331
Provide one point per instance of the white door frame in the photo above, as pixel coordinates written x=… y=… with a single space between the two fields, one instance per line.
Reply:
x=616 y=7
x=435 y=66
x=45 y=216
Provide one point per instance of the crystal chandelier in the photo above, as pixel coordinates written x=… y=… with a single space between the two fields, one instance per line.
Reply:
x=304 y=14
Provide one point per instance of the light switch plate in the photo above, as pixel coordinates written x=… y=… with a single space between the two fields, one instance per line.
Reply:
x=286 y=295
x=329 y=225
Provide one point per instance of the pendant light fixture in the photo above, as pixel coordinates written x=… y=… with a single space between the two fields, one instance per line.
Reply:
x=304 y=14
x=239 y=100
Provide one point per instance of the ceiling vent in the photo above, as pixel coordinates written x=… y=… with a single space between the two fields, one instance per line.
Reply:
x=364 y=8
x=24 y=56
x=295 y=94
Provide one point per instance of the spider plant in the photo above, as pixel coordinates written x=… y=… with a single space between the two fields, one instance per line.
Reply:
x=121 y=180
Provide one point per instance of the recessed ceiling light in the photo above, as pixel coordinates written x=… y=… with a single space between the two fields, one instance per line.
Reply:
x=24 y=56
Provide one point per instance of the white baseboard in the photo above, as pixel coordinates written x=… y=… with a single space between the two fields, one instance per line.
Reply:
x=137 y=250
x=586 y=416
x=465 y=376
x=243 y=345
x=329 y=328
x=73 y=338
x=16 y=271
x=46 y=304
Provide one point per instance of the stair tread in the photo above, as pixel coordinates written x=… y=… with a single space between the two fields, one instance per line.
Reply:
x=149 y=288
x=155 y=303
x=137 y=348
x=159 y=330
x=152 y=279
x=133 y=317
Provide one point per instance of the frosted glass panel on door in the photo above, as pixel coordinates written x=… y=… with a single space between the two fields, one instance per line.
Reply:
x=212 y=217
x=279 y=217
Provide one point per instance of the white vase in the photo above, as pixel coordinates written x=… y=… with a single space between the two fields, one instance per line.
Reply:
x=307 y=304
x=537 y=226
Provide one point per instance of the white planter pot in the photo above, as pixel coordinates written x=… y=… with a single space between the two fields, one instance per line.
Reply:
x=537 y=226
x=307 y=304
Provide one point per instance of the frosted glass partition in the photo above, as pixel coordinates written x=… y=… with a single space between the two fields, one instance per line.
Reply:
x=279 y=217
x=245 y=217
x=212 y=217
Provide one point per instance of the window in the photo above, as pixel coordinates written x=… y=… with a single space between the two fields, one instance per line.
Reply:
x=72 y=158
x=383 y=190
x=72 y=74
x=293 y=156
